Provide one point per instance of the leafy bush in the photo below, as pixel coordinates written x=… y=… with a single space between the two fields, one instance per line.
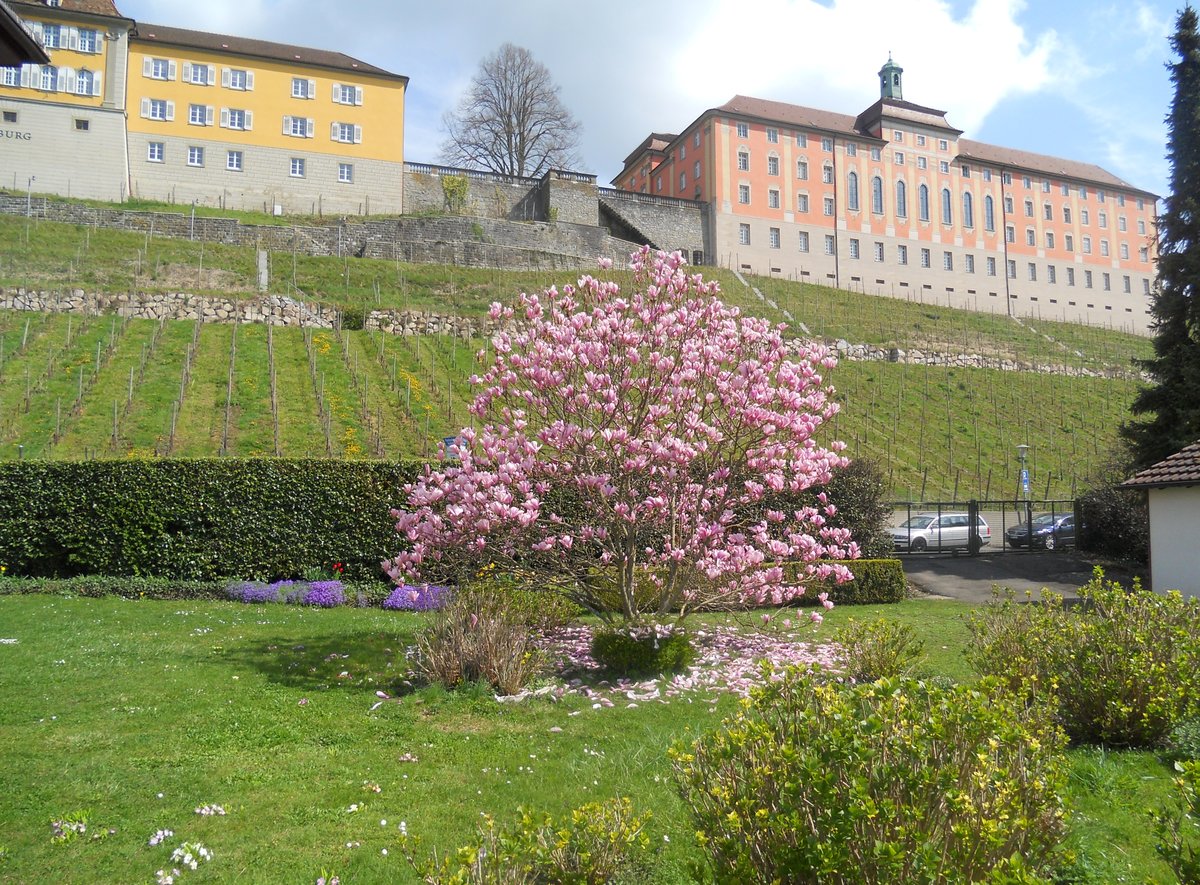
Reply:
x=479 y=636
x=1115 y=522
x=876 y=649
x=636 y=651
x=1120 y=668
x=600 y=843
x=1177 y=827
x=875 y=581
x=1184 y=740
x=353 y=318
x=199 y=520
x=96 y=586
x=891 y=781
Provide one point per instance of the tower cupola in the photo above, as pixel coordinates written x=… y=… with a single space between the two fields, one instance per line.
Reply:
x=890 y=80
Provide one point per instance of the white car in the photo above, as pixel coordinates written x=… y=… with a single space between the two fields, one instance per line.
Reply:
x=941 y=531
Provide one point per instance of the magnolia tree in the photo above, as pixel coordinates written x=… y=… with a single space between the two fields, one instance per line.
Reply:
x=630 y=444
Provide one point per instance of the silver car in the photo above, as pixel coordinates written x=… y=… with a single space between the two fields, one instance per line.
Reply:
x=941 y=531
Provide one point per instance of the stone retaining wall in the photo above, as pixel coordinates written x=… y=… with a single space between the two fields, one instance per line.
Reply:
x=280 y=310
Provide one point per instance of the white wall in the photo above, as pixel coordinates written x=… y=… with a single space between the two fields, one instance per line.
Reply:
x=1174 y=529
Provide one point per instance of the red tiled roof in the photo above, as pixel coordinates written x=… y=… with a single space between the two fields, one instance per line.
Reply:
x=1002 y=156
x=800 y=116
x=1181 y=469
x=322 y=58
x=655 y=141
x=92 y=7
x=791 y=114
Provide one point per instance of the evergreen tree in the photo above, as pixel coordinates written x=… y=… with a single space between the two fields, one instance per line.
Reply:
x=1172 y=403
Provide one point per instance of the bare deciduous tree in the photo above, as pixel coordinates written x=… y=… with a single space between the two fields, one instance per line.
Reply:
x=511 y=119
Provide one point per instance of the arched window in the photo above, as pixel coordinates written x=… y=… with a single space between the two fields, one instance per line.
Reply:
x=923 y=202
x=989 y=213
x=947 y=209
x=877 y=195
x=49 y=78
x=852 y=191
x=968 y=211
x=84 y=82
x=901 y=199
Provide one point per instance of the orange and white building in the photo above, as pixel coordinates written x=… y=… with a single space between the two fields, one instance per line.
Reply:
x=895 y=202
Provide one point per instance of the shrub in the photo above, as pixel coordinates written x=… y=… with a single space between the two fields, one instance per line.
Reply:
x=198 y=519
x=599 y=843
x=876 y=649
x=875 y=581
x=1184 y=740
x=420 y=598
x=892 y=781
x=95 y=586
x=1115 y=522
x=1177 y=827
x=1120 y=667
x=477 y=637
x=638 y=651
x=353 y=318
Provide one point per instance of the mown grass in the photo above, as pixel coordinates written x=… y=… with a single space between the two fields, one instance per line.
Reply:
x=138 y=712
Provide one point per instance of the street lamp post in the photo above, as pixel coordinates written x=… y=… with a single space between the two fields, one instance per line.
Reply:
x=1022 y=453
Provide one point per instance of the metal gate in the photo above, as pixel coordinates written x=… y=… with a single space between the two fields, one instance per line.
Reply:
x=983 y=526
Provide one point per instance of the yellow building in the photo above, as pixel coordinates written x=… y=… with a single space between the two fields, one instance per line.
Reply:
x=63 y=126
x=249 y=124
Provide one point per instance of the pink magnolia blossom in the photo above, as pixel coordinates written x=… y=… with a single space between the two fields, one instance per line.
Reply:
x=636 y=433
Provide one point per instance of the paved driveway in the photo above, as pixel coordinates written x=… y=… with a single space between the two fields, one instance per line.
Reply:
x=971 y=578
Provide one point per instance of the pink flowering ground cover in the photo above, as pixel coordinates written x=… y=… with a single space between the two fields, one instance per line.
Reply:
x=729 y=660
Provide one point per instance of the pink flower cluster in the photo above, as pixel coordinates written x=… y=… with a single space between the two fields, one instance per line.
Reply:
x=663 y=416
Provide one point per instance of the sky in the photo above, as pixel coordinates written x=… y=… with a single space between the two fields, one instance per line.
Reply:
x=1080 y=79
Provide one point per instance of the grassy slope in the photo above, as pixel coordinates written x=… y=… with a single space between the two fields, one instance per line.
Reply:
x=935 y=431
x=105 y=704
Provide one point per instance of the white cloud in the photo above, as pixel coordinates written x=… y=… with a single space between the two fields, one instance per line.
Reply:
x=627 y=68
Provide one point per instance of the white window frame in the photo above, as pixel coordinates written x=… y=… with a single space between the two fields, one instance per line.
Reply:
x=159 y=68
x=199 y=74
x=239 y=79
x=743 y=234
x=195 y=156
x=297 y=168
x=156 y=152
x=200 y=114
x=347 y=94
x=345 y=173
x=234 y=161
x=774 y=239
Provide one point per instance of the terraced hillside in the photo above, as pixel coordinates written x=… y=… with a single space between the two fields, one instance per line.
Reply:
x=102 y=386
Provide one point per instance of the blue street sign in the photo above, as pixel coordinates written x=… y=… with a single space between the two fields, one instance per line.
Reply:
x=1025 y=480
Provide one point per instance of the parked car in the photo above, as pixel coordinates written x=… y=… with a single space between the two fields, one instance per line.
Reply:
x=1050 y=530
x=941 y=531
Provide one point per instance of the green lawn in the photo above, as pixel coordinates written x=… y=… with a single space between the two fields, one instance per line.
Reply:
x=138 y=712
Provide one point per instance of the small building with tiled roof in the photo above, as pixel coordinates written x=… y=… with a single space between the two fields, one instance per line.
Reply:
x=1173 y=489
x=892 y=201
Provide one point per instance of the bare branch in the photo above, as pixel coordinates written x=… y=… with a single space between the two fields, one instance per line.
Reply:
x=511 y=119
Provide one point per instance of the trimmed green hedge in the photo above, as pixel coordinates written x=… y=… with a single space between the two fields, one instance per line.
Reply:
x=199 y=519
x=875 y=581
x=96 y=586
